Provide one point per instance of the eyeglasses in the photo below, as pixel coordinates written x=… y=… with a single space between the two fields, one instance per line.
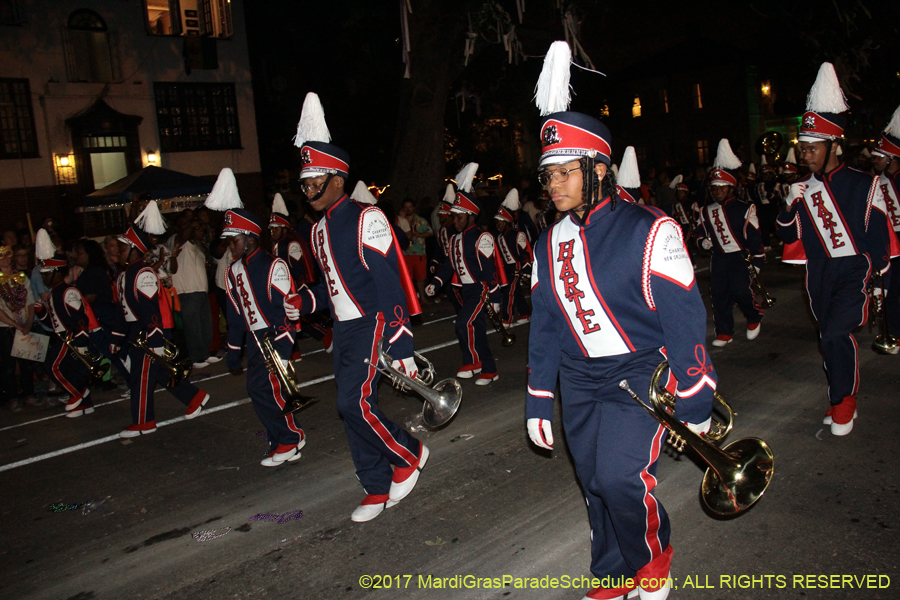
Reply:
x=306 y=188
x=545 y=177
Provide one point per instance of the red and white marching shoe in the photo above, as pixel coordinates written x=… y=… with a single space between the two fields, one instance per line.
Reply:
x=487 y=378
x=721 y=340
x=405 y=478
x=371 y=507
x=842 y=416
x=469 y=371
x=283 y=454
x=138 y=429
x=73 y=403
x=80 y=412
x=196 y=405
x=753 y=330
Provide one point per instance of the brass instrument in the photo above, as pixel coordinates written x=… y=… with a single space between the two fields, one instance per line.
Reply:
x=738 y=474
x=179 y=368
x=442 y=400
x=884 y=342
x=506 y=338
x=91 y=362
x=756 y=281
x=769 y=143
x=287 y=377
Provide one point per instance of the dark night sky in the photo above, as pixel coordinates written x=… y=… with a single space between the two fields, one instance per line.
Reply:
x=348 y=51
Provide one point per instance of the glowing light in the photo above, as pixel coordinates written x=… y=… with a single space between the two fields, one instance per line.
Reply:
x=766 y=88
x=152 y=158
x=64 y=161
x=378 y=189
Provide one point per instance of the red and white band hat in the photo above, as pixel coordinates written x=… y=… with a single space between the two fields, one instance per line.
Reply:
x=720 y=176
x=503 y=215
x=818 y=127
x=568 y=136
x=241 y=221
x=278 y=220
x=321 y=158
x=135 y=238
x=465 y=204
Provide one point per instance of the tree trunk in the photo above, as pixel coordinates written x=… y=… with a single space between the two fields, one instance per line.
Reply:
x=437 y=38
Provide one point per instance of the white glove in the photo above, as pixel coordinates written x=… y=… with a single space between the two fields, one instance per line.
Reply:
x=700 y=428
x=159 y=351
x=291 y=311
x=407 y=366
x=430 y=289
x=114 y=349
x=541 y=433
x=797 y=191
x=706 y=244
x=284 y=362
x=496 y=308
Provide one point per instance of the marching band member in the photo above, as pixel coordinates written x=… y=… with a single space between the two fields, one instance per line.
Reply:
x=838 y=214
x=680 y=211
x=294 y=251
x=149 y=316
x=729 y=228
x=66 y=314
x=613 y=293
x=886 y=160
x=515 y=257
x=442 y=248
x=368 y=289
x=768 y=195
x=789 y=173
x=256 y=284
x=473 y=268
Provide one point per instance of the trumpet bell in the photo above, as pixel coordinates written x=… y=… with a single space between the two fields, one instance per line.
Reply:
x=743 y=482
x=441 y=406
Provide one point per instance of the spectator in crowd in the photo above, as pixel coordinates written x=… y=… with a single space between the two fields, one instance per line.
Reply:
x=16 y=315
x=416 y=230
x=22 y=259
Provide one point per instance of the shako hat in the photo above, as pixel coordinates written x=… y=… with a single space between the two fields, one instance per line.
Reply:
x=318 y=156
x=823 y=119
x=45 y=251
x=279 y=216
x=465 y=200
x=224 y=197
x=790 y=162
x=628 y=183
x=724 y=171
x=889 y=143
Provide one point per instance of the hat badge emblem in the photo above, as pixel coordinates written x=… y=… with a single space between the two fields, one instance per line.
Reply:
x=305 y=158
x=549 y=136
x=809 y=122
x=228 y=218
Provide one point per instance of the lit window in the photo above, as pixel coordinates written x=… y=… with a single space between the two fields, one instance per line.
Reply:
x=702 y=152
x=87 y=48
x=636 y=109
x=664 y=100
x=766 y=89
x=698 y=99
x=196 y=116
x=18 y=138
x=207 y=18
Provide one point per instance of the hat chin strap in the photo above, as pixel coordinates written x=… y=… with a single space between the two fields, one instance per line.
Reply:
x=322 y=189
x=591 y=188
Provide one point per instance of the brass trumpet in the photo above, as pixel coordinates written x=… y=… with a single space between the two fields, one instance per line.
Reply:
x=179 y=368
x=506 y=338
x=91 y=362
x=287 y=377
x=756 y=282
x=738 y=474
x=442 y=400
x=884 y=342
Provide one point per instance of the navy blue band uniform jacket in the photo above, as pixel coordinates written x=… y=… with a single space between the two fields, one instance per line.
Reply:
x=621 y=283
x=472 y=262
x=515 y=250
x=145 y=304
x=294 y=252
x=256 y=286
x=890 y=190
x=359 y=258
x=732 y=227
x=840 y=214
x=68 y=312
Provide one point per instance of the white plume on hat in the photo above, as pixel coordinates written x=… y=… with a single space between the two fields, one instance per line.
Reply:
x=791 y=157
x=224 y=195
x=278 y=205
x=449 y=194
x=763 y=162
x=511 y=202
x=465 y=176
x=43 y=246
x=552 y=91
x=150 y=219
x=629 y=176
x=362 y=194
x=678 y=179
x=752 y=168
x=826 y=94
x=725 y=158
x=615 y=170
x=311 y=127
x=893 y=127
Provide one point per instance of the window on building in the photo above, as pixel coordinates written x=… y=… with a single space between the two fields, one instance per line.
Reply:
x=196 y=116
x=88 y=56
x=19 y=139
x=10 y=13
x=664 y=100
x=208 y=18
x=636 y=108
x=698 y=99
x=702 y=152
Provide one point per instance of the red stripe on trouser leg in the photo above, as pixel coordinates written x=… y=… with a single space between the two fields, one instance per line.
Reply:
x=59 y=376
x=650 y=503
x=470 y=331
x=281 y=402
x=365 y=408
x=656 y=571
x=145 y=390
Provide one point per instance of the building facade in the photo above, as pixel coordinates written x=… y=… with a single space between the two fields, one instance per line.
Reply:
x=94 y=90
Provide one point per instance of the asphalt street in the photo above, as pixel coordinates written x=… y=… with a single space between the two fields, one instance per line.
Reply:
x=488 y=504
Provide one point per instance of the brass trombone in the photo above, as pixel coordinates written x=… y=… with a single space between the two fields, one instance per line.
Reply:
x=179 y=368
x=756 y=282
x=93 y=363
x=287 y=376
x=884 y=342
x=442 y=400
x=738 y=474
x=506 y=338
